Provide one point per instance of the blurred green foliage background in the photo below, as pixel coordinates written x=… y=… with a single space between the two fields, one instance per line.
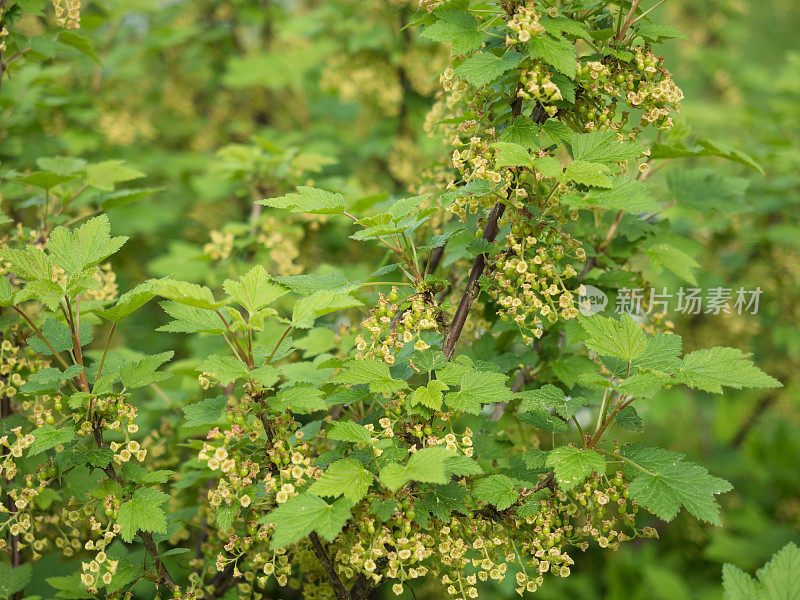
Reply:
x=223 y=102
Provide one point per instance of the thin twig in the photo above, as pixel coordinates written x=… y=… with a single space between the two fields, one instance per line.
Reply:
x=338 y=588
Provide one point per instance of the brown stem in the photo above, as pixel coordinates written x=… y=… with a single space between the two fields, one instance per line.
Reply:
x=164 y=577
x=490 y=232
x=75 y=328
x=16 y=556
x=41 y=337
x=763 y=405
x=242 y=354
x=628 y=20
x=471 y=291
x=333 y=578
x=105 y=351
x=598 y=436
x=280 y=341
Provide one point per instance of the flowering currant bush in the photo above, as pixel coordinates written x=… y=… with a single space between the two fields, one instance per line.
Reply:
x=450 y=417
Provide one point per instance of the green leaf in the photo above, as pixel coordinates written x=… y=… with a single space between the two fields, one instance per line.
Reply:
x=189 y=319
x=13 y=579
x=187 y=293
x=629 y=420
x=483 y=68
x=588 y=173
x=129 y=302
x=457 y=27
x=462 y=466
x=85 y=247
x=559 y=54
x=779 y=579
x=254 y=290
x=523 y=132
x=304 y=513
x=478 y=388
x=661 y=353
x=43 y=179
x=308 y=200
x=321 y=303
x=498 y=490
x=30 y=264
x=96 y=457
x=711 y=369
x=406 y=206
x=226 y=369
x=667 y=256
x=105 y=175
x=48 y=292
x=573 y=465
x=47 y=437
x=603 y=147
x=510 y=154
x=124 y=197
x=143 y=372
x=548 y=396
x=641 y=385
x=426 y=465
x=625 y=194
x=142 y=512
x=136 y=473
x=59 y=336
x=548 y=166
x=665 y=489
x=225 y=515
x=205 y=412
x=608 y=337
x=49 y=380
x=348 y=431
x=298 y=399
x=655 y=32
x=737 y=584
x=383 y=509
x=80 y=42
x=443 y=500
x=372 y=372
x=430 y=395
x=346 y=477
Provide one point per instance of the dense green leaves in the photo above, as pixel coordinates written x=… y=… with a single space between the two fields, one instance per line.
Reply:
x=427 y=465
x=482 y=68
x=372 y=372
x=573 y=465
x=304 y=513
x=665 y=482
x=346 y=477
x=308 y=200
x=621 y=338
x=142 y=512
x=779 y=578
x=497 y=490
x=85 y=247
x=712 y=369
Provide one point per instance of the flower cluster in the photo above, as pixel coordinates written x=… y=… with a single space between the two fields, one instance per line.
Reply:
x=220 y=246
x=529 y=283
x=524 y=24
x=68 y=13
x=646 y=86
x=537 y=84
x=388 y=333
x=101 y=569
x=17 y=363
